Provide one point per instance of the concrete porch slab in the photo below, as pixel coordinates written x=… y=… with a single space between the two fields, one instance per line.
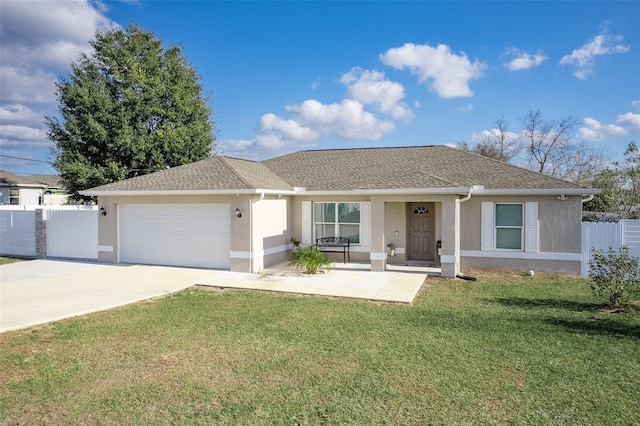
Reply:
x=343 y=280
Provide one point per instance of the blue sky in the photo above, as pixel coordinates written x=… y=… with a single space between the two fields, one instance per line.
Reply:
x=285 y=76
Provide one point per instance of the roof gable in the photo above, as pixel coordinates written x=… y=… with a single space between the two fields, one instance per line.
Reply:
x=215 y=173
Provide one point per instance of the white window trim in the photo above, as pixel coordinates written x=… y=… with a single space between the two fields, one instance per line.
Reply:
x=496 y=227
x=337 y=223
x=530 y=229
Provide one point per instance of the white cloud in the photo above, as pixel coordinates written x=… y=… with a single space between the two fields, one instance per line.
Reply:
x=492 y=134
x=311 y=121
x=39 y=41
x=596 y=131
x=584 y=57
x=466 y=108
x=445 y=73
x=346 y=120
x=371 y=87
x=17 y=113
x=635 y=103
x=630 y=121
x=522 y=60
x=289 y=129
x=12 y=135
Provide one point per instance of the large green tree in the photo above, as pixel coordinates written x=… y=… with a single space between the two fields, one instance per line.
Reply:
x=130 y=107
x=620 y=185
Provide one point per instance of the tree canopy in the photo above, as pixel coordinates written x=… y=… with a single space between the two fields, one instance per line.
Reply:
x=544 y=145
x=620 y=185
x=129 y=108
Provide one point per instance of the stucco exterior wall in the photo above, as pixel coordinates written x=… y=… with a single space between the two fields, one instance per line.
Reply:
x=271 y=232
x=559 y=235
x=240 y=227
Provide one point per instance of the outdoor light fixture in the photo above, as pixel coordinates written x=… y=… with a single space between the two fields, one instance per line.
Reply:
x=103 y=212
x=238 y=212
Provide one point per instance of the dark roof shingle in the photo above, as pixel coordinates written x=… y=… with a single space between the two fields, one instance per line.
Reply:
x=216 y=173
x=435 y=166
x=8 y=178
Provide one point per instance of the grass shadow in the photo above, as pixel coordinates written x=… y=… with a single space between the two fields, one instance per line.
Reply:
x=597 y=326
x=569 y=305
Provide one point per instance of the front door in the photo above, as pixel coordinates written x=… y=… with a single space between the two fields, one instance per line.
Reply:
x=420 y=232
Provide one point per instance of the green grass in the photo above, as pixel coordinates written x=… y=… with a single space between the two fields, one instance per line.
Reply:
x=6 y=260
x=505 y=349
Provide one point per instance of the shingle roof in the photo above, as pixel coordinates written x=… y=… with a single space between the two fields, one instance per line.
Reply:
x=216 y=173
x=49 y=180
x=8 y=178
x=436 y=166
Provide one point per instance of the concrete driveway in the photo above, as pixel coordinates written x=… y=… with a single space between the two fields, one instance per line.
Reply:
x=40 y=291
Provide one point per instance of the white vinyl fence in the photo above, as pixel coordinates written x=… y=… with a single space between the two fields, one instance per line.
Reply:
x=18 y=232
x=72 y=233
x=68 y=231
x=602 y=235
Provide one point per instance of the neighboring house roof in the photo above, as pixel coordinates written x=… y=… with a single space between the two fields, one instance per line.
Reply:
x=435 y=168
x=52 y=181
x=11 y=179
x=216 y=173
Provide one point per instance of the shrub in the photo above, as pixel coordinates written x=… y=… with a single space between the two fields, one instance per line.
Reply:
x=615 y=275
x=311 y=258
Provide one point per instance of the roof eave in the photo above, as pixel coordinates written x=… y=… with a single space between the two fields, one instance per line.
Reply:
x=132 y=193
x=554 y=191
x=463 y=190
x=23 y=185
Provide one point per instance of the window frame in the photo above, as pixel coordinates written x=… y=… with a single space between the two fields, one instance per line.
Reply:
x=521 y=227
x=336 y=222
x=14 y=194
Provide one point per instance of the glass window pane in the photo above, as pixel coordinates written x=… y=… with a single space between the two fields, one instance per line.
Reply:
x=324 y=212
x=509 y=238
x=349 y=212
x=323 y=230
x=508 y=214
x=13 y=192
x=352 y=232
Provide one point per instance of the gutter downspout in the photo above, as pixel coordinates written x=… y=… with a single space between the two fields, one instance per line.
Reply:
x=251 y=228
x=457 y=231
x=589 y=198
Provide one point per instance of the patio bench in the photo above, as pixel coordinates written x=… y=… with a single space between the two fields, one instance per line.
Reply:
x=337 y=245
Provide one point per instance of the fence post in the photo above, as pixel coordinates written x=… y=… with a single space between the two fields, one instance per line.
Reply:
x=41 y=233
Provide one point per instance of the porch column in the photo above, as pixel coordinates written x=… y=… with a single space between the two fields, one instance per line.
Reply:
x=378 y=246
x=450 y=259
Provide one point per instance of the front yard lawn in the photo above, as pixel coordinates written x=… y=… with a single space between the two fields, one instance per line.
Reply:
x=505 y=349
x=7 y=260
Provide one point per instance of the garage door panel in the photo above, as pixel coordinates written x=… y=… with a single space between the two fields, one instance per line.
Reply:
x=191 y=235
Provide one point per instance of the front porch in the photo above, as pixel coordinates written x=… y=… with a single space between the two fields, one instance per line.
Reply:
x=416 y=231
x=399 y=284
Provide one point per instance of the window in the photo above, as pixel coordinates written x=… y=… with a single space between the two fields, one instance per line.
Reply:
x=337 y=220
x=14 y=196
x=509 y=226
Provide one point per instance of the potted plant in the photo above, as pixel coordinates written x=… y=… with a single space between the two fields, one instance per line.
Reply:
x=391 y=249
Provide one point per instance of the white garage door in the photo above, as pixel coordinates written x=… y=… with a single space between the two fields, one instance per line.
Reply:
x=186 y=235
